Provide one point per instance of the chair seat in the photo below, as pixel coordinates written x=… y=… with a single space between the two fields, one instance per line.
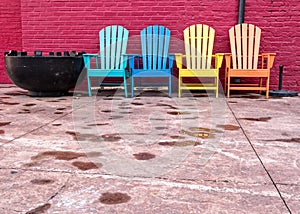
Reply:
x=199 y=73
x=106 y=73
x=151 y=73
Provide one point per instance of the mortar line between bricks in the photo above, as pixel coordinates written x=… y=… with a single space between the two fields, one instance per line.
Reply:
x=261 y=162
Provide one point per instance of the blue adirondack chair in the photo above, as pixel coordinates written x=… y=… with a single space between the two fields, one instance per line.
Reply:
x=156 y=62
x=111 y=61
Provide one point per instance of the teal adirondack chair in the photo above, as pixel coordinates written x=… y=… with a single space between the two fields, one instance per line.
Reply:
x=156 y=62
x=111 y=61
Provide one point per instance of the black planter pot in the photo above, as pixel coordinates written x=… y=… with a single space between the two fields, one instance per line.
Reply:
x=44 y=75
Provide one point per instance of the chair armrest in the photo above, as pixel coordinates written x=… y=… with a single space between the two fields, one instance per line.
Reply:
x=131 y=58
x=178 y=58
x=270 y=59
x=218 y=60
x=228 y=59
x=87 y=59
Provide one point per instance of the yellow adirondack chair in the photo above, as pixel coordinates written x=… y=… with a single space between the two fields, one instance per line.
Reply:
x=243 y=61
x=198 y=41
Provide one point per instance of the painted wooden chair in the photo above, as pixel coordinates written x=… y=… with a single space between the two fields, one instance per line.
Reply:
x=199 y=41
x=155 y=60
x=243 y=61
x=111 y=61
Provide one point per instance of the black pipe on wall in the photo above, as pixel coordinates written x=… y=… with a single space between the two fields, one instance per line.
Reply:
x=241 y=11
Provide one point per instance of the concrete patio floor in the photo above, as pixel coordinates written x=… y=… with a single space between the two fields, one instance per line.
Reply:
x=148 y=154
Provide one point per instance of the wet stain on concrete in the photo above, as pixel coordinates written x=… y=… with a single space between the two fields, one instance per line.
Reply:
x=160 y=128
x=8 y=103
x=56 y=124
x=177 y=137
x=229 y=127
x=58 y=112
x=86 y=165
x=114 y=198
x=168 y=105
x=98 y=124
x=177 y=113
x=4 y=123
x=167 y=143
x=144 y=156
x=58 y=155
x=72 y=133
x=125 y=107
x=202 y=135
x=42 y=181
x=29 y=104
x=111 y=137
x=115 y=117
x=291 y=140
x=232 y=102
x=24 y=111
x=53 y=101
x=40 y=209
x=137 y=104
x=61 y=109
x=261 y=119
x=2 y=131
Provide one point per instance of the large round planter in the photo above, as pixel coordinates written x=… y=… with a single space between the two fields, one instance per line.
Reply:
x=44 y=75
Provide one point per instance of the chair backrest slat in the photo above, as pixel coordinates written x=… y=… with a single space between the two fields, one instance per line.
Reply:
x=107 y=48
x=102 y=49
x=232 y=46
x=238 y=36
x=193 y=47
x=160 y=48
x=244 y=43
x=204 y=45
x=167 y=34
x=155 y=42
x=199 y=46
x=155 y=47
x=149 y=44
x=250 y=49
x=256 y=47
x=187 y=47
x=124 y=41
x=113 y=45
x=210 y=47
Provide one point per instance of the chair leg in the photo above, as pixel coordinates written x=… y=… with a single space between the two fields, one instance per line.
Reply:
x=125 y=86
x=89 y=86
x=228 y=86
x=132 y=86
x=170 y=86
x=267 y=87
x=179 y=88
x=260 y=85
x=217 y=87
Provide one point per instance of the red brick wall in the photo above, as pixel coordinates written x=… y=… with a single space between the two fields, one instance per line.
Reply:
x=57 y=25
x=10 y=31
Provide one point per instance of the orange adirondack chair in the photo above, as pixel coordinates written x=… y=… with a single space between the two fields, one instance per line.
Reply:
x=243 y=61
x=199 y=42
